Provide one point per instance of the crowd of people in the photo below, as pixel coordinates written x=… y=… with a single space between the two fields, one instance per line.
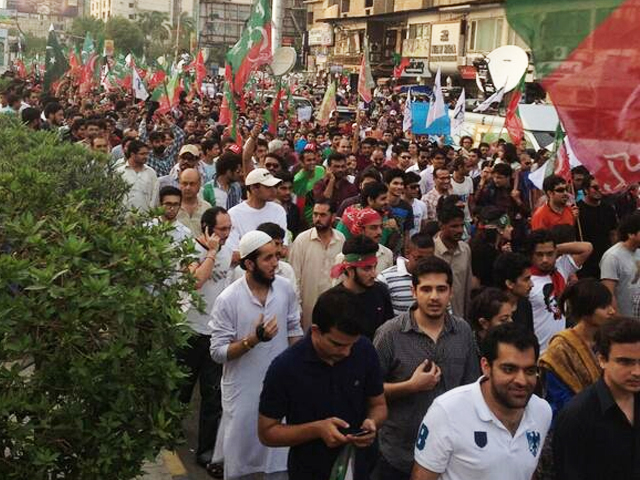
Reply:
x=381 y=301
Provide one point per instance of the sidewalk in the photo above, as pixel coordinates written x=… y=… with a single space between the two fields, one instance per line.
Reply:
x=166 y=467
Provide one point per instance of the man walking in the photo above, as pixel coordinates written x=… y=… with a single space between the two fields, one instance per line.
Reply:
x=423 y=353
x=493 y=428
x=253 y=320
x=596 y=434
x=329 y=389
x=143 y=194
x=619 y=267
x=312 y=255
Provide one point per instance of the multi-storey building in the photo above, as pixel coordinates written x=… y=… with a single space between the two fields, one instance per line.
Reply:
x=432 y=34
x=222 y=21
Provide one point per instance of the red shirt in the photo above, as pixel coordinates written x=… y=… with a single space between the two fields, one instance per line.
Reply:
x=545 y=217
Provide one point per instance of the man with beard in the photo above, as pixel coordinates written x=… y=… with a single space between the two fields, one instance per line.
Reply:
x=161 y=157
x=335 y=186
x=493 y=428
x=451 y=248
x=312 y=255
x=598 y=222
x=143 y=180
x=358 y=264
x=423 y=352
x=253 y=320
x=551 y=267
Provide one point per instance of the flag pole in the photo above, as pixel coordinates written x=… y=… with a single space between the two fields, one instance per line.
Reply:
x=578 y=223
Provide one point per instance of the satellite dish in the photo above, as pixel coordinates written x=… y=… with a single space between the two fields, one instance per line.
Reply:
x=507 y=65
x=284 y=59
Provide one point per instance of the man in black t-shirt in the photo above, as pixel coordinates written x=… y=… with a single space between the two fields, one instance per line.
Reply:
x=359 y=267
x=598 y=222
x=512 y=273
x=401 y=212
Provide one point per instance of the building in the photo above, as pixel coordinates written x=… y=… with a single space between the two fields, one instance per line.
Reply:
x=432 y=34
x=221 y=23
x=105 y=9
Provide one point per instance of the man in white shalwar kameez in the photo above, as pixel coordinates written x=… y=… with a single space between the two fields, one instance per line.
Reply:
x=253 y=321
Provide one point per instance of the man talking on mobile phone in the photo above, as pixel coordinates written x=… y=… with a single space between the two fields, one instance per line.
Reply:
x=329 y=389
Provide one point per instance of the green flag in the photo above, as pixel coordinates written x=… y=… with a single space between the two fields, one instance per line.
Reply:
x=88 y=48
x=55 y=63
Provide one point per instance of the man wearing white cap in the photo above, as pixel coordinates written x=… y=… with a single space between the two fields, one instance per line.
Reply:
x=253 y=320
x=258 y=208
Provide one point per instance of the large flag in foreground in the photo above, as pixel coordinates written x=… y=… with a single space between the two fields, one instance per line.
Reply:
x=253 y=49
x=328 y=104
x=588 y=56
x=56 y=64
x=437 y=108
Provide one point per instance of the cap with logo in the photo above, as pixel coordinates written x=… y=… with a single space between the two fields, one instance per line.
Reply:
x=261 y=176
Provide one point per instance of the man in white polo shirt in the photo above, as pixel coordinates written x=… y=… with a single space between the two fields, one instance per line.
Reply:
x=494 y=428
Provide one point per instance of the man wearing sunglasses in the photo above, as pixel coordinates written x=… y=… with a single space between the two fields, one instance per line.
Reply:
x=557 y=210
x=599 y=222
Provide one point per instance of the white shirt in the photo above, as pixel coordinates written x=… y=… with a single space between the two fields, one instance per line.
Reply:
x=246 y=219
x=426 y=180
x=144 y=187
x=464 y=190
x=419 y=214
x=547 y=318
x=462 y=439
x=210 y=289
x=234 y=317
x=284 y=270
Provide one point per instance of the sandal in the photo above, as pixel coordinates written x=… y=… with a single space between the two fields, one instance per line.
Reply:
x=215 y=470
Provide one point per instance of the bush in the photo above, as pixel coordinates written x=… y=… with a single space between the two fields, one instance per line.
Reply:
x=89 y=325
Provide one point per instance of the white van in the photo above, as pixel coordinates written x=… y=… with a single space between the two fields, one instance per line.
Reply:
x=540 y=123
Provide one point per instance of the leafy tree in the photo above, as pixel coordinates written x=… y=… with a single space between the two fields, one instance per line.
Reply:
x=81 y=25
x=90 y=323
x=34 y=44
x=126 y=35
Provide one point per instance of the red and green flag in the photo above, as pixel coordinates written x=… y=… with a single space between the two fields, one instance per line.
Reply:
x=512 y=121
x=586 y=58
x=328 y=104
x=170 y=93
x=399 y=64
x=253 y=49
x=56 y=64
x=272 y=114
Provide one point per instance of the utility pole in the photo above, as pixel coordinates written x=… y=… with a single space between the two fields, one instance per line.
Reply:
x=277 y=18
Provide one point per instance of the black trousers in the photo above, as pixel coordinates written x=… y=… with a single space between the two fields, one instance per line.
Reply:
x=385 y=471
x=197 y=360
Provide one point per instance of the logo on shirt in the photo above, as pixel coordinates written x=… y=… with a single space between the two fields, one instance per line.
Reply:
x=480 y=439
x=533 y=439
x=550 y=301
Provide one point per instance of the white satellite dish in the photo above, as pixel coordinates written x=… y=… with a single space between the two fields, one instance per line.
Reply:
x=507 y=65
x=284 y=59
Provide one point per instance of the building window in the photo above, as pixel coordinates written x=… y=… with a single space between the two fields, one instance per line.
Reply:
x=345 y=6
x=132 y=17
x=420 y=30
x=514 y=39
x=309 y=18
x=485 y=35
x=368 y=3
x=131 y=5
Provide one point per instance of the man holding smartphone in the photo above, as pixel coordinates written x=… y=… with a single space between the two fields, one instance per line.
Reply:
x=329 y=389
x=210 y=270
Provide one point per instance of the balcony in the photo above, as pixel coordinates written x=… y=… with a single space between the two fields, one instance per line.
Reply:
x=346 y=58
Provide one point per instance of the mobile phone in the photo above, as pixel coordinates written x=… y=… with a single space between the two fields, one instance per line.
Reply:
x=361 y=433
x=428 y=366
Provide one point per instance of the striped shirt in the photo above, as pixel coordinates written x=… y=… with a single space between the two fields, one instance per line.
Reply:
x=398 y=281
